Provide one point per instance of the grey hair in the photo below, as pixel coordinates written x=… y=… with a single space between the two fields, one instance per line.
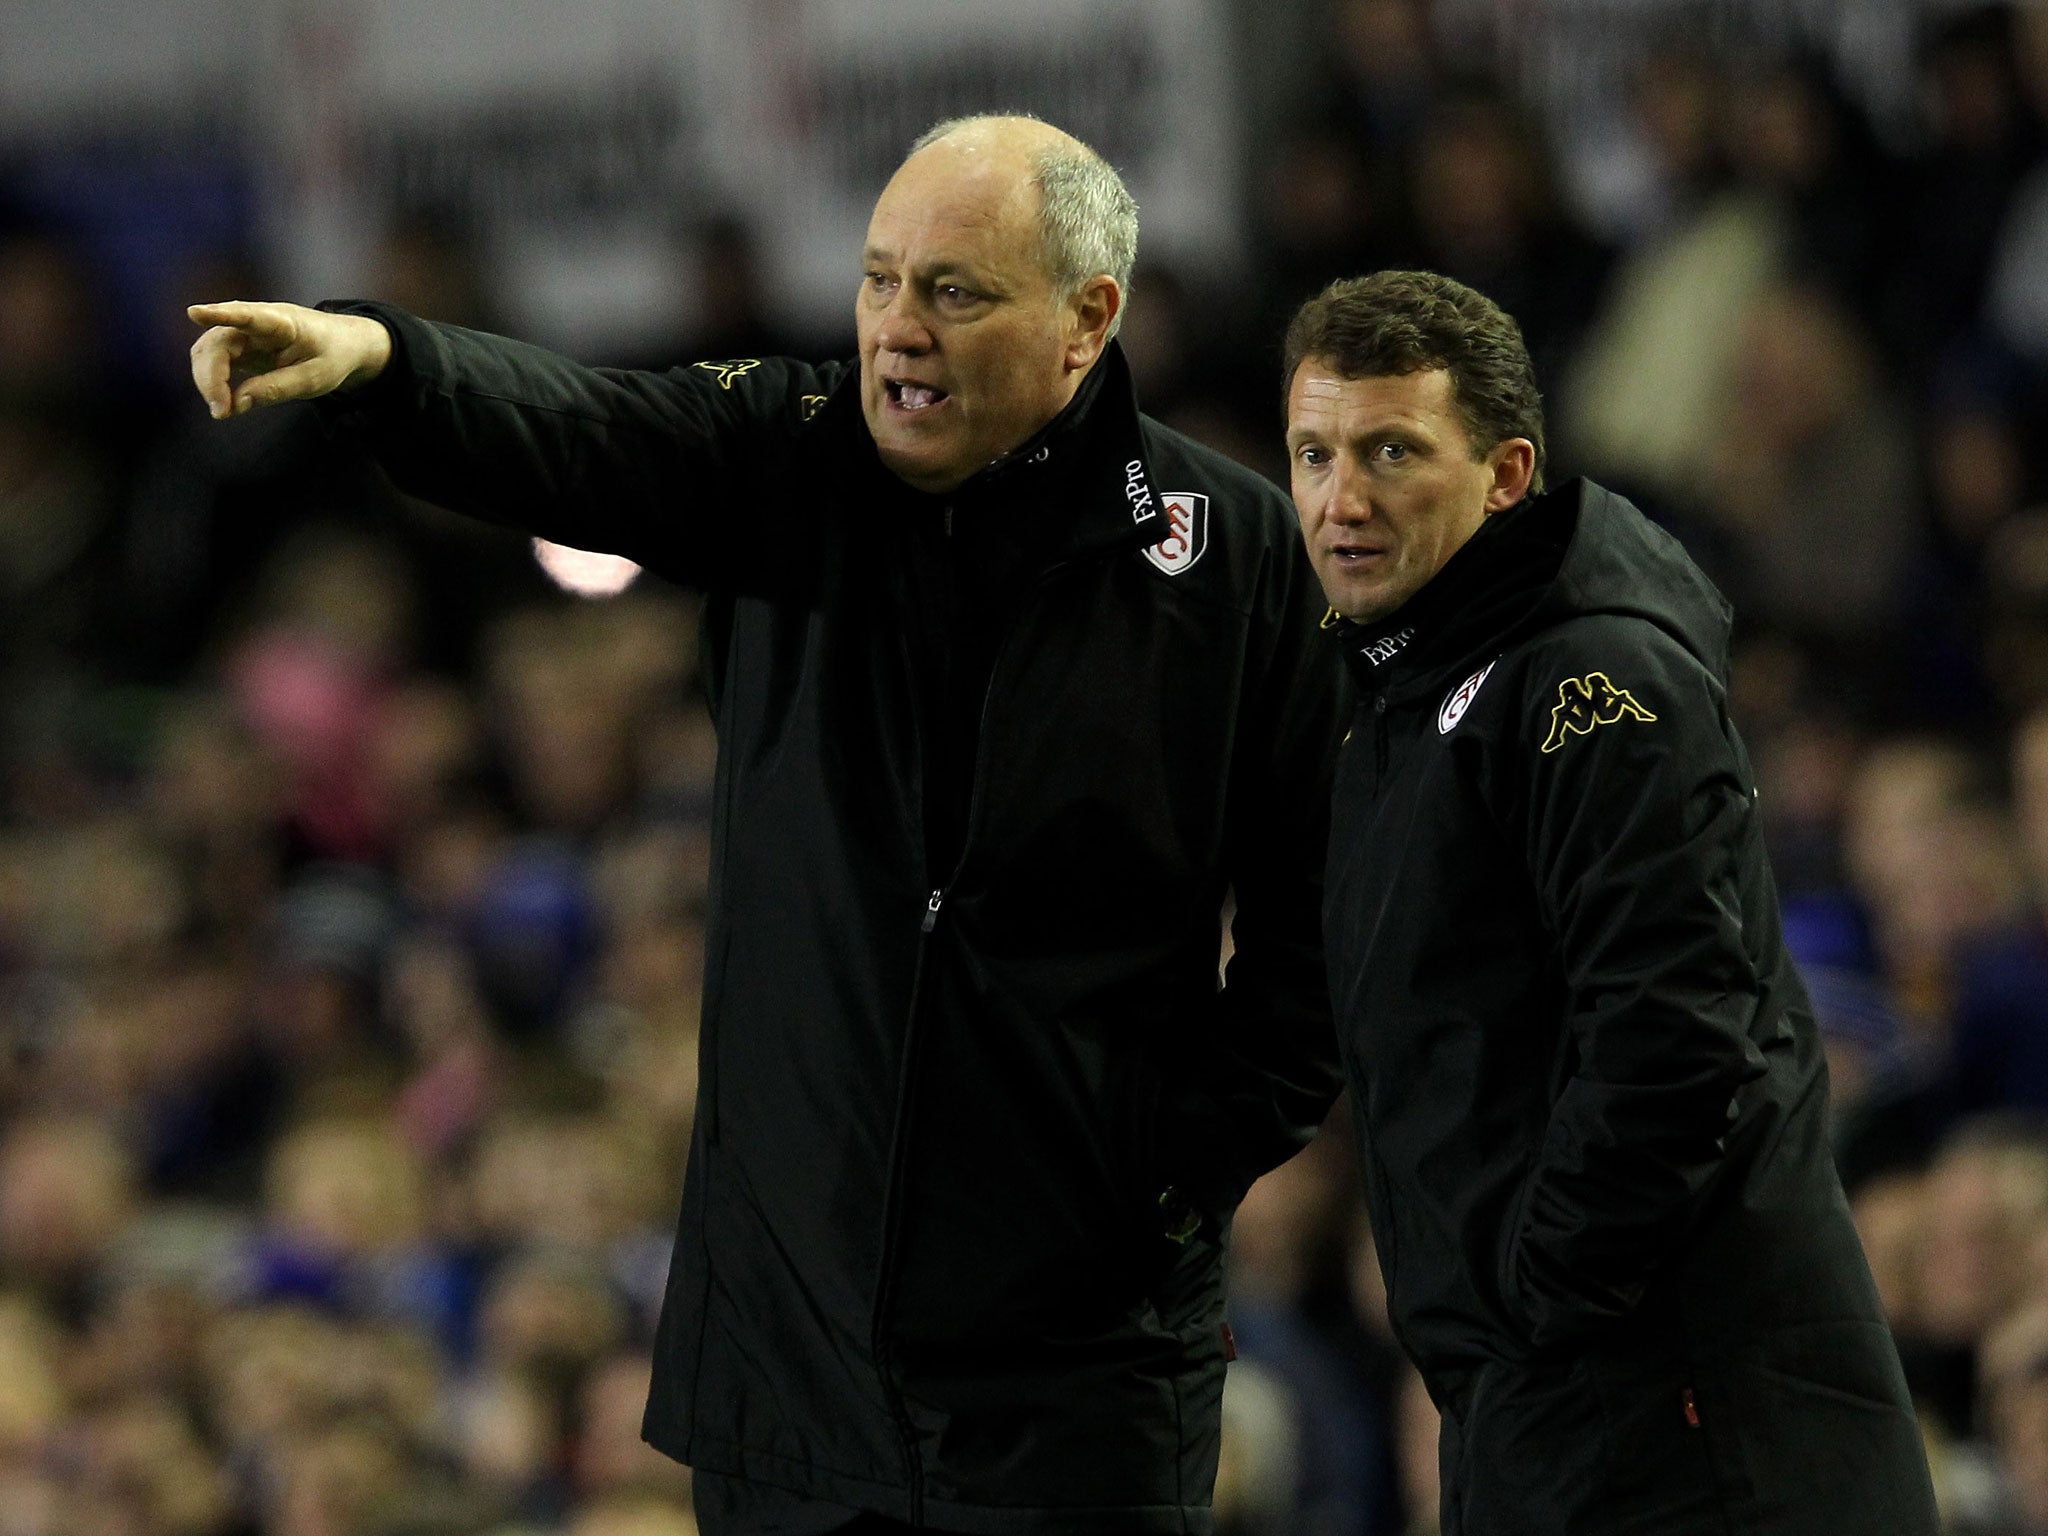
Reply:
x=1088 y=220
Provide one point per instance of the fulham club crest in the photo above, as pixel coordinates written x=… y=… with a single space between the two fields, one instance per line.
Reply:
x=1187 y=524
x=1461 y=700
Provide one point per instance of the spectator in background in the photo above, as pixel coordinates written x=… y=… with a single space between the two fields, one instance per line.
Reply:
x=1977 y=1248
x=1792 y=134
x=1676 y=97
x=1979 y=484
x=1286 y=1247
x=1383 y=76
x=726 y=283
x=1999 y=1045
x=1638 y=406
x=1488 y=212
x=1317 y=212
x=67 y=1190
x=1809 y=480
x=1930 y=855
x=2015 y=606
x=59 y=481
x=1984 y=135
x=2015 y=1390
x=430 y=265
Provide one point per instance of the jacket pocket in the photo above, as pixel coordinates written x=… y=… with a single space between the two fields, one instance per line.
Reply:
x=1835 y=1385
x=1661 y=1438
x=1595 y=1444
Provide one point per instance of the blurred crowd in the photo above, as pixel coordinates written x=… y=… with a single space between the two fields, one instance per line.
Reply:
x=351 y=874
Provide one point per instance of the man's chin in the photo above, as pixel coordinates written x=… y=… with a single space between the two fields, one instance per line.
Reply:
x=919 y=467
x=1359 y=607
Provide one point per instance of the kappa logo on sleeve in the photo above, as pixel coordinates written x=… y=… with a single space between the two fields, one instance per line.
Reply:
x=1584 y=702
x=810 y=405
x=1187 y=531
x=730 y=369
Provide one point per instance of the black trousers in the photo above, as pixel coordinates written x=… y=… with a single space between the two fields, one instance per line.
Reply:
x=729 y=1507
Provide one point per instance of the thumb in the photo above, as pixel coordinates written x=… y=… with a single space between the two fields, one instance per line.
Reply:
x=300 y=381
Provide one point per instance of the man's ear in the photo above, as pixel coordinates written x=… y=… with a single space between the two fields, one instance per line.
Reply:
x=1513 y=462
x=1093 y=308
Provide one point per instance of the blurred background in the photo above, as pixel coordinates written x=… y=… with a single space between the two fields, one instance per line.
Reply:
x=351 y=868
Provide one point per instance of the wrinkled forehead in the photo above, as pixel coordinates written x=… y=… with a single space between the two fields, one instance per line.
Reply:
x=1320 y=388
x=946 y=192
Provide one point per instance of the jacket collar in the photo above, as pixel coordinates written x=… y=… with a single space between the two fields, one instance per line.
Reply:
x=1085 y=471
x=1485 y=593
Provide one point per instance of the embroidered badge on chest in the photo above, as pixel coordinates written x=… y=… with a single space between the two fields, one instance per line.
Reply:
x=1187 y=531
x=1461 y=700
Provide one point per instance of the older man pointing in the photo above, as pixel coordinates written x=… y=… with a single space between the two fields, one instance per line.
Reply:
x=1012 y=685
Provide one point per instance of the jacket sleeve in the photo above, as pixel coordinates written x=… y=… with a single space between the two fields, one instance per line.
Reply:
x=661 y=467
x=1272 y=1071
x=1640 y=821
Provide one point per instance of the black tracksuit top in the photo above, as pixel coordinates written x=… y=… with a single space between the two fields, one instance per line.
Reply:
x=1589 y=1092
x=964 y=1054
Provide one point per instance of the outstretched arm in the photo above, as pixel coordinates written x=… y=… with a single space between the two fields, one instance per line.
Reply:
x=663 y=468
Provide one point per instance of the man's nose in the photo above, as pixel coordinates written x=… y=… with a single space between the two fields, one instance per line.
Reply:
x=902 y=327
x=1350 y=493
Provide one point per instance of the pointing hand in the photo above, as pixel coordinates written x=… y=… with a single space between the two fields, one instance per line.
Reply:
x=265 y=354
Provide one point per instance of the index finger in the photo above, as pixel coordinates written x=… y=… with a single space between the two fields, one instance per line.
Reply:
x=264 y=321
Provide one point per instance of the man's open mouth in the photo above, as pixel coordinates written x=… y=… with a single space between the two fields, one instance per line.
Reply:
x=912 y=397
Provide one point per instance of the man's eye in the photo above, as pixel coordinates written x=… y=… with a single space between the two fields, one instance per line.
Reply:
x=1393 y=453
x=953 y=293
x=1312 y=456
x=879 y=281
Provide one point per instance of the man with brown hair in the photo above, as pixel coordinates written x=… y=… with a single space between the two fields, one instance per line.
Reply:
x=1588 y=1088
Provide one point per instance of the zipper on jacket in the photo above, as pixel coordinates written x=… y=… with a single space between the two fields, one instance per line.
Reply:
x=892 y=1222
x=906 y=1086
x=1379 y=742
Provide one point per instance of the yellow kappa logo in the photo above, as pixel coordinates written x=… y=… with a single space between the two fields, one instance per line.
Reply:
x=730 y=369
x=1584 y=702
x=810 y=405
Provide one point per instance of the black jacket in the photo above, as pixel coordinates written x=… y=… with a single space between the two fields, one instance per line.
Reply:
x=1589 y=1092
x=973 y=1107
